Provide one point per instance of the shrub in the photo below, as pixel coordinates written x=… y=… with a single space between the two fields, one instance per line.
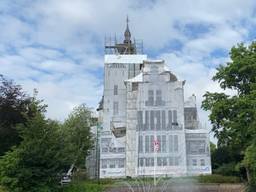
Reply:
x=218 y=179
x=84 y=187
x=229 y=169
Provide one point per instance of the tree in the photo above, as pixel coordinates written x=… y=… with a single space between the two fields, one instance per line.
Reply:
x=250 y=162
x=77 y=134
x=47 y=150
x=37 y=163
x=233 y=116
x=14 y=109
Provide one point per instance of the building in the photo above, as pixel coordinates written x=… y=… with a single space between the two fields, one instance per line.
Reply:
x=147 y=127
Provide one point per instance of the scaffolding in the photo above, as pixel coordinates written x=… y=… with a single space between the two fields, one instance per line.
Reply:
x=114 y=45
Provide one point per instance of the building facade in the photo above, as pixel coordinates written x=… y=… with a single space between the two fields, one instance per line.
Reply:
x=147 y=127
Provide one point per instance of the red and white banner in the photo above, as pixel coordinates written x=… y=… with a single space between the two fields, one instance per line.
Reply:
x=156 y=145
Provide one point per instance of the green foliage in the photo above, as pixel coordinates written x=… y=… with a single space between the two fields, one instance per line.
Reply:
x=36 y=163
x=240 y=73
x=228 y=169
x=15 y=108
x=36 y=151
x=224 y=155
x=234 y=116
x=250 y=163
x=83 y=187
x=76 y=134
x=217 y=179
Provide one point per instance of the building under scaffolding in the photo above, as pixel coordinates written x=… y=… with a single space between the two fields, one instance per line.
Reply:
x=147 y=127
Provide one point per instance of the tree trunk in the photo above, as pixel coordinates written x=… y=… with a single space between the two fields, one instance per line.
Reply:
x=248 y=174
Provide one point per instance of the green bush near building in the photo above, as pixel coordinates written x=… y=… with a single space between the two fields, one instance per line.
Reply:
x=83 y=187
x=217 y=179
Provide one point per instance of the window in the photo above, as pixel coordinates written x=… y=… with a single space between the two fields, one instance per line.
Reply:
x=164 y=161
x=147 y=144
x=160 y=142
x=159 y=161
x=150 y=101
x=140 y=119
x=149 y=162
x=158 y=97
x=112 y=163
x=152 y=143
x=140 y=144
x=163 y=121
x=174 y=116
x=120 y=163
x=202 y=162
x=115 y=89
x=194 y=162
x=171 y=143
x=196 y=147
x=146 y=125
x=163 y=144
x=112 y=150
x=104 y=163
x=105 y=141
x=134 y=86
x=141 y=162
x=158 y=119
x=152 y=122
x=120 y=149
x=176 y=143
x=115 y=108
x=169 y=120
x=104 y=150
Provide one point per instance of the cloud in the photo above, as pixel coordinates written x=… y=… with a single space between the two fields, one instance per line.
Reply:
x=58 y=46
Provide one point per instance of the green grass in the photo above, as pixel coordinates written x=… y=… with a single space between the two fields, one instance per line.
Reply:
x=94 y=186
x=84 y=186
x=196 y=179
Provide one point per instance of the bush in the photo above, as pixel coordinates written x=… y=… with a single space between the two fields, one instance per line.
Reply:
x=229 y=169
x=218 y=179
x=83 y=187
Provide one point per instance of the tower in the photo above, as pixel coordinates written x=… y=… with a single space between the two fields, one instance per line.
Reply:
x=122 y=61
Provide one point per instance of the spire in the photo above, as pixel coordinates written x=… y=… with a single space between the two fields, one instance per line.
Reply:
x=127 y=33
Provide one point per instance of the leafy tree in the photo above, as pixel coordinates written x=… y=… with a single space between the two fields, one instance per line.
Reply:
x=14 y=109
x=77 y=135
x=41 y=149
x=34 y=165
x=233 y=116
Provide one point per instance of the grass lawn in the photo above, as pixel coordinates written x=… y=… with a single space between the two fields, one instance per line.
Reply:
x=93 y=186
x=106 y=183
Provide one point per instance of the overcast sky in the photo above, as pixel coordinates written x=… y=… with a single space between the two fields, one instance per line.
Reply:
x=57 y=46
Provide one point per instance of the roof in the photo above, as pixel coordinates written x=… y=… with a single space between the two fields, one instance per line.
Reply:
x=138 y=78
